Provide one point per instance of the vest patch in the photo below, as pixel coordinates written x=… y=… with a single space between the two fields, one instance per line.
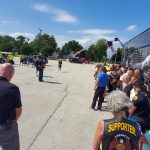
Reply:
x=121 y=126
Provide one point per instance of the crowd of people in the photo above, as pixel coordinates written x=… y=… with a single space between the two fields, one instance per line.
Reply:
x=31 y=60
x=127 y=93
x=128 y=98
x=38 y=62
x=6 y=58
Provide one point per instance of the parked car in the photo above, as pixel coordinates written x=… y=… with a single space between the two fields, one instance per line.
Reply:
x=51 y=58
x=75 y=60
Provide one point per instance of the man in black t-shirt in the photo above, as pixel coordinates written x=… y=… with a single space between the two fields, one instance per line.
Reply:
x=59 y=64
x=41 y=66
x=36 y=64
x=10 y=109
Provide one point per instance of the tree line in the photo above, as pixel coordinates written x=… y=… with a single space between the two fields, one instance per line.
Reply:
x=46 y=45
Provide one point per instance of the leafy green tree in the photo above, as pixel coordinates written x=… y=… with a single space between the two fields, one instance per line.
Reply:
x=92 y=54
x=47 y=50
x=71 y=46
x=100 y=49
x=20 y=40
x=7 y=43
x=44 y=44
x=120 y=50
x=117 y=56
x=27 y=49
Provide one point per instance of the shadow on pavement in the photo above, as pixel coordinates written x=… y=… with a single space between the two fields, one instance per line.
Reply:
x=16 y=65
x=47 y=76
x=65 y=72
x=52 y=82
x=48 y=65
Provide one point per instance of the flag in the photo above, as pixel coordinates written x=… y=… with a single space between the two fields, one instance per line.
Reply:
x=110 y=45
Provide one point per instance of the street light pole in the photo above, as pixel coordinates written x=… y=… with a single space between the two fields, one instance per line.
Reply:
x=117 y=39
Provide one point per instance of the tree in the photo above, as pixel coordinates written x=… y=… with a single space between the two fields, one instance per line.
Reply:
x=44 y=44
x=100 y=49
x=47 y=50
x=7 y=43
x=92 y=54
x=120 y=50
x=71 y=46
x=27 y=49
x=20 y=40
x=117 y=56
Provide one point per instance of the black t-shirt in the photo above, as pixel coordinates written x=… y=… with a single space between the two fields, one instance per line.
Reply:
x=120 y=133
x=59 y=62
x=41 y=64
x=141 y=102
x=36 y=62
x=9 y=100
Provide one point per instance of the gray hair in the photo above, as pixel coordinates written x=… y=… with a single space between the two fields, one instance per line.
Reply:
x=118 y=101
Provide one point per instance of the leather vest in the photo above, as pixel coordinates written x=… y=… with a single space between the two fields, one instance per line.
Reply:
x=120 y=134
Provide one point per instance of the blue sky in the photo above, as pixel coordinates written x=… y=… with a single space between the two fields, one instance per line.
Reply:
x=83 y=20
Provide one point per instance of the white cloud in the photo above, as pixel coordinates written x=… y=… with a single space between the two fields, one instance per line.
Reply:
x=27 y=35
x=93 y=31
x=62 y=39
x=86 y=40
x=59 y=15
x=8 y=22
x=131 y=28
x=86 y=37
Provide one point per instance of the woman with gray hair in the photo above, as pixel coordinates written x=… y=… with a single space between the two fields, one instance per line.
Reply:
x=118 y=133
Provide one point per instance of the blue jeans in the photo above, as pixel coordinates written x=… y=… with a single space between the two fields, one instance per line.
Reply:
x=41 y=75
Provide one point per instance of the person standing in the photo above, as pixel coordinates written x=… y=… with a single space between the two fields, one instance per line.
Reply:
x=10 y=109
x=41 y=66
x=21 y=59
x=59 y=64
x=10 y=58
x=36 y=65
x=100 y=87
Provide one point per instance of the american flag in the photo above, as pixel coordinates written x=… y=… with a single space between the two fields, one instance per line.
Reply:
x=110 y=45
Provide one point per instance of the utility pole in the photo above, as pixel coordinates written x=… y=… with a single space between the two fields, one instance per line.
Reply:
x=40 y=31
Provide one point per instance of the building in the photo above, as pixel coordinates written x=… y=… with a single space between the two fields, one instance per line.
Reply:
x=137 y=52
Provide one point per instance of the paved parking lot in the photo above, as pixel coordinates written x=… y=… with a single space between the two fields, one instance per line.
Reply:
x=56 y=113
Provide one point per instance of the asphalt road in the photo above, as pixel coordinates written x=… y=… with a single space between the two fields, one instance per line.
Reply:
x=56 y=113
